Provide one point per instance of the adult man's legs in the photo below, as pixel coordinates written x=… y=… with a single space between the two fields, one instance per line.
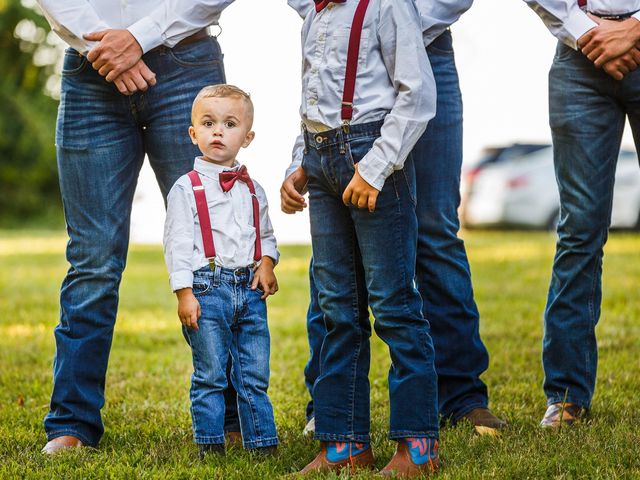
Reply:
x=101 y=138
x=587 y=121
x=99 y=157
x=442 y=269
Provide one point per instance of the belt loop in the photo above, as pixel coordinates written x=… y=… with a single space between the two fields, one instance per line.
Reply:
x=341 y=140
x=216 y=277
x=305 y=131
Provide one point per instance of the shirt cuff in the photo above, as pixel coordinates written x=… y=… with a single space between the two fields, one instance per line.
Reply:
x=147 y=33
x=273 y=253
x=577 y=24
x=636 y=16
x=182 y=279
x=374 y=171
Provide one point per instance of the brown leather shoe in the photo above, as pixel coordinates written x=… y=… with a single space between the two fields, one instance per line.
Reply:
x=559 y=414
x=402 y=466
x=61 y=443
x=321 y=463
x=484 y=422
x=233 y=438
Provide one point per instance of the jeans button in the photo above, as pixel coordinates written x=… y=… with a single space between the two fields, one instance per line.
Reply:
x=319 y=139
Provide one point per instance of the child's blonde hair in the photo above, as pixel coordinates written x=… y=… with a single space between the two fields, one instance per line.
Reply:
x=224 y=90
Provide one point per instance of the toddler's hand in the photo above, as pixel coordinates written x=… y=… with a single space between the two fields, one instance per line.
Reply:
x=360 y=193
x=265 y=278
x=188 y=308
x=291 y=199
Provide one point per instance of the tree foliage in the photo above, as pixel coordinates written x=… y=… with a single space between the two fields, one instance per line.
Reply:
x=28 y=175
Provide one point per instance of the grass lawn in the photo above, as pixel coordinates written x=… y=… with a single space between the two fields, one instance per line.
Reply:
x=148 y=431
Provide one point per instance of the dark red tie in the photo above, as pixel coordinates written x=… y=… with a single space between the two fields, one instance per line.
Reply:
x=227 y=179
x=320 y=4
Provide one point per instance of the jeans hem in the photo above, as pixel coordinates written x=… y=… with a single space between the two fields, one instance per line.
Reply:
x=568 y=399
x=261 y=442
x=218 y=439
x=74 y=433
x=467 y=409
x=336 y=437
x=400 y=434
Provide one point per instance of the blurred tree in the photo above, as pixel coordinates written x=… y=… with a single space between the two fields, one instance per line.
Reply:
x=29 y=52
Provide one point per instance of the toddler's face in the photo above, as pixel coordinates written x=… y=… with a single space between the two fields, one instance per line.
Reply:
x=221 y=126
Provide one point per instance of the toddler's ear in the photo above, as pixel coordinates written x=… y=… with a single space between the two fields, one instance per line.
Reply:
x=192 y=134
x=248 y=139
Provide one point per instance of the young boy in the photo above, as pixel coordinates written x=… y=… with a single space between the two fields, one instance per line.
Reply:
x=367 y=96
x=220 y=251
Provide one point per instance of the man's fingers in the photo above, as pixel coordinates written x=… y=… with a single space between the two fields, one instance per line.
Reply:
x=122 y=88
x=95 y=36
x=147 y=74
x=131 y=86
x=139 y=81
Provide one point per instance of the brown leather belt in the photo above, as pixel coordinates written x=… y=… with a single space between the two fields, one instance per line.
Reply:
x=616 y=17
x=194 y=37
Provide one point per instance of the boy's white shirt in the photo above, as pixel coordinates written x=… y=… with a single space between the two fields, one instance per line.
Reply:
x=151 y=22
x=568 y=22
x=394 y=81
x=231 y=222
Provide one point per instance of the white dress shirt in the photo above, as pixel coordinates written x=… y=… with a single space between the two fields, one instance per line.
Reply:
x=231 y=215
x=566 y=20
x=151 y=22
x=394 y=80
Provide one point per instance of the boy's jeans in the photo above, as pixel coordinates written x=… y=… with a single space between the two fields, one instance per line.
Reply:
x=102 y=137
x=356 y=252
x=442 y=269
x=587 y=111
x=234 y=319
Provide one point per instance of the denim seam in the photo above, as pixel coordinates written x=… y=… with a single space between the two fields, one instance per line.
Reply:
x=335 y=437
x=398 y=434
x=562 y=398
x=208 y=440
x=72 y=432
x=256 y=425
x=261 y=442
x=356 y=353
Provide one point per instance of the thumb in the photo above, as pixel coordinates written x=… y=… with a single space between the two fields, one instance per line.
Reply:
x=95 y=36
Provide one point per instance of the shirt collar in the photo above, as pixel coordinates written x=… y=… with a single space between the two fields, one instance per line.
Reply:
x=211 y=170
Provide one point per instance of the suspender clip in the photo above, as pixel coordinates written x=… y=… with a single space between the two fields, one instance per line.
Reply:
x=212 y=263
x=345 y=125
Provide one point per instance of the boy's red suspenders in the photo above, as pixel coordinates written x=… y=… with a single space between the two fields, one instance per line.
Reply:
x=352 y=63
x=227 y=179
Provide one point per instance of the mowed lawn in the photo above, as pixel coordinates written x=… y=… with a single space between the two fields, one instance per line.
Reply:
x=148 y=430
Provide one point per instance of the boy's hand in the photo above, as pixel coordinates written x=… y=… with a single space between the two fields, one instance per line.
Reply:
x=291 y=199
x=265 y=278
x=360 y=193
x=188 y=308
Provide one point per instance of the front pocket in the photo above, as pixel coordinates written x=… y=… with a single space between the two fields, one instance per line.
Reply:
x=198 y=54
x=73 y=63
x=200 y=287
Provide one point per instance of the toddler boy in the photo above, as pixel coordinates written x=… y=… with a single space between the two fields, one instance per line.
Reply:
x=220 y=251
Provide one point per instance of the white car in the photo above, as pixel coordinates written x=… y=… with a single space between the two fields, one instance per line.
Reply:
x=522 y=191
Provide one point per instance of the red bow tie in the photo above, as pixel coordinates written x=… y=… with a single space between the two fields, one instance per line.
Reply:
x=320 y=4
x=228 y=178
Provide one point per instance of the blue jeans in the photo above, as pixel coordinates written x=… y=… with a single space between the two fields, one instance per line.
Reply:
x=233 y=320
x=587 y=111
x=442 y=269
x=102 y=138
x=361 y=259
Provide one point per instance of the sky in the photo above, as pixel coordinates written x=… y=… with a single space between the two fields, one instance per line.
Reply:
x=503 y=54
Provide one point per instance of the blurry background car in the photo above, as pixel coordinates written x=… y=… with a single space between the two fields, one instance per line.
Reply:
x=515 y=186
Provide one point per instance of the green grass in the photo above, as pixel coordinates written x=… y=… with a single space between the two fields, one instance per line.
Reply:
x=148 y=433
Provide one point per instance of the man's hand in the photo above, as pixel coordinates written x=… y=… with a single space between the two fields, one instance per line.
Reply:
x=188 y=308
x=609 y=40
x=360 y=193
x=619 y=67
x=265 y=278
x=291 y=191
x=116 y=52
x=137 y=78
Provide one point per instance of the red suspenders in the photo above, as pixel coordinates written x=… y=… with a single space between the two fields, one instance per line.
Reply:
x=582 y=3
x=352 y=62
x=205 y=219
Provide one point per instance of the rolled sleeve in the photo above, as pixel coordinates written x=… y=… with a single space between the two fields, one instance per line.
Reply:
x=268 y=242
x=178 y=238
x=576 y=25
x=147 y=33
x=181 y=279
x=375 y=170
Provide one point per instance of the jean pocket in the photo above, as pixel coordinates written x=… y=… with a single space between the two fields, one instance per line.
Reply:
x=200 y=286
x=441 y=45
x=73 y=63
x=563 y=53
x=409 y=180
x=198 y=54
